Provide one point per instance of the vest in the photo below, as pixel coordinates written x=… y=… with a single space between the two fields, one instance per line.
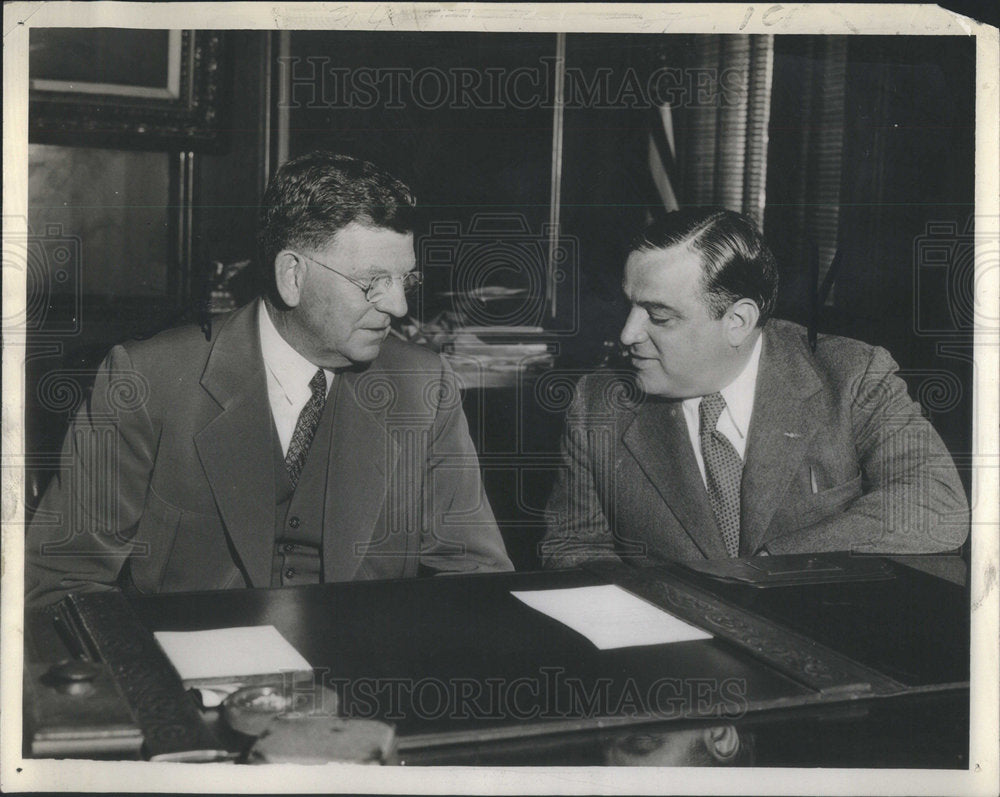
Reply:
x=298 y=515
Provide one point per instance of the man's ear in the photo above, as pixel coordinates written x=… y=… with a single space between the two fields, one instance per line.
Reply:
x=741 y=320
x=289 y=274
x=722 y=742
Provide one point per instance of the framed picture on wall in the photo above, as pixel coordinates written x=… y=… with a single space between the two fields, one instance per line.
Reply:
x=131 y=88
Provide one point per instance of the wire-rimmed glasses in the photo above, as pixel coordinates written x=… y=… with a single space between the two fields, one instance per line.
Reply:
x=376 y=288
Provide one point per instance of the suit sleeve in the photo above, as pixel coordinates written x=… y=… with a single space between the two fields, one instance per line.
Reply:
x=460 y=534
x=912 y=498
x=577 y=527
x=80 y=536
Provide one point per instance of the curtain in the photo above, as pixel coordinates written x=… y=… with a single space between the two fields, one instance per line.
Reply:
x=708 y=146
x=821 y=147
x=806 y=154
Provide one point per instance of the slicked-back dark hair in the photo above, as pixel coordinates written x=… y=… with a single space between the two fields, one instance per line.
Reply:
x=736 y=262
x=314 y=196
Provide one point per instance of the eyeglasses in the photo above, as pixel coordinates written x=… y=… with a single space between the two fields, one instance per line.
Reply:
x=379 y=286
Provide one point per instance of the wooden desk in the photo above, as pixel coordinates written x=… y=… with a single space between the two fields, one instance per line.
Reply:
x=871 y=673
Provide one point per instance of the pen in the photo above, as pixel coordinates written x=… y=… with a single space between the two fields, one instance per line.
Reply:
x=69 y=638
x=196 y=756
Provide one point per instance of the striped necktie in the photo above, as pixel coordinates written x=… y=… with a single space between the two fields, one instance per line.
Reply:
x=305 y=427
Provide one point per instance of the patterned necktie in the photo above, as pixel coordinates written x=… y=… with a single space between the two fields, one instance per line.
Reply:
x=305 y=427
x=723 y=471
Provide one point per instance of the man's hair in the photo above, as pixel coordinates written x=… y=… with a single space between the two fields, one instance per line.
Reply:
x=314 y=196
x=736 y=262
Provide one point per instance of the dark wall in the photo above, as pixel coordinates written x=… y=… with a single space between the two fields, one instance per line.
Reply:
x=470 y=156
x=906 y=211
x=607 y=191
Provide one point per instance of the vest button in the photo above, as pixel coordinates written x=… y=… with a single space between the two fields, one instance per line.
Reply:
x=288 y=547
x=290 y=573
x=294 y=521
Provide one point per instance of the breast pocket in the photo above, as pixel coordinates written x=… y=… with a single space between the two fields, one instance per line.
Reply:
x=816 y=506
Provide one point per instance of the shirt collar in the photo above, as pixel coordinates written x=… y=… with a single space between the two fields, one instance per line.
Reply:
x=291 y=371
x=739 y=393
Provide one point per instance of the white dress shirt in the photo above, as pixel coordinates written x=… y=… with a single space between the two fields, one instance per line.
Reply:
x=734 y=422
x=288 y=377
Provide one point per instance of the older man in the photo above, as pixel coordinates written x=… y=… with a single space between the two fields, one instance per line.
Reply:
x=298 y=444
x=733 y=437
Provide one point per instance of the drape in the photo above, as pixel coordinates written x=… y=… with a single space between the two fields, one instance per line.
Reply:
x=708 y=145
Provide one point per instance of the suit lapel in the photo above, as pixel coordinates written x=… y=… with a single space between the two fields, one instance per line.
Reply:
x=237 y=458
x=780 y=430
x=658 y=439
x=362 y=455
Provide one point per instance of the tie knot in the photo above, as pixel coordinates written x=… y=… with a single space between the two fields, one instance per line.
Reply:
x=709 y=410
x=318 y=383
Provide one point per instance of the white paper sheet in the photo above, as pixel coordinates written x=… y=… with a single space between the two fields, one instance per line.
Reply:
x=610 y=616
x=230 y=652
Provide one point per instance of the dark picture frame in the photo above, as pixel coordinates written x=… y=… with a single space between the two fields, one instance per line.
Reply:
x=89 y=88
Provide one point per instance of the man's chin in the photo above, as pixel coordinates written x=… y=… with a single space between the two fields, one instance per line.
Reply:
x=664 y=388
x=651 y=385
x=355 y=356
x=362 y=355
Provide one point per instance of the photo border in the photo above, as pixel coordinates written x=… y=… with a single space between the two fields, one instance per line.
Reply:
x=19 y=774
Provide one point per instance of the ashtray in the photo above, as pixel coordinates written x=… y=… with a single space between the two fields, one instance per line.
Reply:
x=250 y=710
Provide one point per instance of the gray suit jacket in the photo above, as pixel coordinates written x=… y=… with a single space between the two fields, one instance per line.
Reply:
x=167 y=479
x=838 y=458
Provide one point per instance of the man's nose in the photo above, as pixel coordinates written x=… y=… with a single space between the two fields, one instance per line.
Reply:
x=393 y=301
x=634 y=330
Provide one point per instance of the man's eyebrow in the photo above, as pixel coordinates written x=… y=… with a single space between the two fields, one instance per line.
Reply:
x=376 y=270
x=650 y=304
x=372 y=271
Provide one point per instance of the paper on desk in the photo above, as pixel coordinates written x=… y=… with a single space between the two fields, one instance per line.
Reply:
x=230 y=652
x=611 y=617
